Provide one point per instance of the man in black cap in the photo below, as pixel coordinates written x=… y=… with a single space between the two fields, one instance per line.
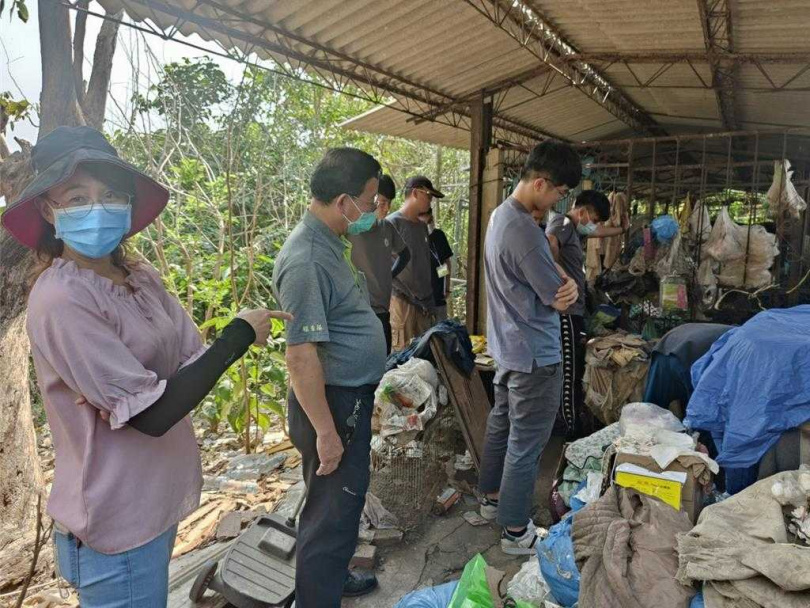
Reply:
x=412 y=299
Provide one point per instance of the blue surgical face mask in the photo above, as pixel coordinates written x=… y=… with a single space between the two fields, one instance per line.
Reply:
x=586 y=229
x=362 y=224
x=93 y=230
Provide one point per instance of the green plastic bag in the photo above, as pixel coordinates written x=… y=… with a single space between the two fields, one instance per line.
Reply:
x=473 y=590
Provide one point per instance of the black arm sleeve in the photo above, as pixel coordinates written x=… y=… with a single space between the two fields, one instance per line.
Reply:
x=402 y=261
x=189 y=386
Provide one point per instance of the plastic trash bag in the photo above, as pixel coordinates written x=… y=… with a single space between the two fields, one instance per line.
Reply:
x=432 y=597
x=700 y=224
x=724 y=243
x=782 y=194
x=664 y=228
x=473 y=589
x=697 y=601
x=528 y=584
x=648 y=415
x=557 y=563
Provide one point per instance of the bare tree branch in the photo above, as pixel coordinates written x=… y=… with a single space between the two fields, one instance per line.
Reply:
x=78 y=48
x=95 y=101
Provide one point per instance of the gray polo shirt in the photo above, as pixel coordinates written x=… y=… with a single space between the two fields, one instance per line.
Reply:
x=522 y=281
x=316 y=283
x=372 y=252
x=572 y=256
x=415 y=282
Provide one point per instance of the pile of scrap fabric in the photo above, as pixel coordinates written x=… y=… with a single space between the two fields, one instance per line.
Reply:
x=584 y=456
x=744 y=551
x=615 y=374
x=625 y=546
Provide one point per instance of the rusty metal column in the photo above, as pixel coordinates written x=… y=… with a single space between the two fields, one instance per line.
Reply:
x=480 y=140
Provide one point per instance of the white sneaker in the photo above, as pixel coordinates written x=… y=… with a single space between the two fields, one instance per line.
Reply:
x=489 y=509
x=523 y=545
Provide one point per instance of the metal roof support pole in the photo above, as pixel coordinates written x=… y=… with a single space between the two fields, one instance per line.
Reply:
x=480 y=141
x=715 y=17
x=752 y=208
x=651 y=207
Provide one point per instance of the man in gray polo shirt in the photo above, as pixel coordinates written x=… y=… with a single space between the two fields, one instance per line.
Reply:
x=336 y=357
x=374 y=253
x=525 y=291
x=412 y=299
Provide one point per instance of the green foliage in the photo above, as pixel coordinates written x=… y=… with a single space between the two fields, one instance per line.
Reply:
x=17 y=7
x=15 y=110
x=237 y=159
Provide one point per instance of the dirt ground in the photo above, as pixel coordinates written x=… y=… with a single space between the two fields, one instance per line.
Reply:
x=437 y=551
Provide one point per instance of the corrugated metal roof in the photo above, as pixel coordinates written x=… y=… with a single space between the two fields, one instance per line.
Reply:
x=449 y=50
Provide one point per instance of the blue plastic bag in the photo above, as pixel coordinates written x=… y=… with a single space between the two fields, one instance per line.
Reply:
x=557 y=564
x=664 y=228
x=432 y=597
x=697 y=601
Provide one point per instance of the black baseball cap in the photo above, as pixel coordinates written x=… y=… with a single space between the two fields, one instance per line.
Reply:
x=420 y=182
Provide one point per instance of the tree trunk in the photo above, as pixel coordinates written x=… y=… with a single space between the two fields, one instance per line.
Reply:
x=59 y=105
x=20 y=473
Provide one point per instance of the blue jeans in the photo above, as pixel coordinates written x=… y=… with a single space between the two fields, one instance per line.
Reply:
x=138 y=578
x=518 y=428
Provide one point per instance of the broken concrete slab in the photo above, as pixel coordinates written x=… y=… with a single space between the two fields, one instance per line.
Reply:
x=230 y=525
x=253 y=466
x=474 y=519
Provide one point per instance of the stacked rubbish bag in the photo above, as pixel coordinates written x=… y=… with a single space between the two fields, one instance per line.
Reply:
x=407 y=398
x=615 y=373
x=738 y=256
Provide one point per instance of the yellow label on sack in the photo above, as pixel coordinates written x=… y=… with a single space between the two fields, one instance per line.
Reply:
x=662 y=489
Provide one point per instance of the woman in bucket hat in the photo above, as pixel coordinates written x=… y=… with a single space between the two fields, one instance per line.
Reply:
x=120 y=366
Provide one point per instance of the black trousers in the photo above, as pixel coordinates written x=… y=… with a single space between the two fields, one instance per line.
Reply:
x=578 y=419
x=385 y=319
x=330 y=519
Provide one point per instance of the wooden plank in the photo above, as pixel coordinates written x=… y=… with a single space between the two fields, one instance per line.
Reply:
x=469 y=399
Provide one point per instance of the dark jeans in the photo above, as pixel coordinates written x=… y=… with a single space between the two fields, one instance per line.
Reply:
x=329 y=523
x=667 y=381
x=518 y=428
x=385 y=319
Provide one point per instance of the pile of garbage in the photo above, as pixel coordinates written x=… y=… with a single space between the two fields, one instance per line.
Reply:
x=615 y=373
x=406 y=399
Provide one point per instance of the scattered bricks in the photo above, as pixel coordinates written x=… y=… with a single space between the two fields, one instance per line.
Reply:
x=385 y=538
x=365 y=557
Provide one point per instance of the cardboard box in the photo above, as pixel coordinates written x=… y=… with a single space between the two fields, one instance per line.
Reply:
x=690 y=496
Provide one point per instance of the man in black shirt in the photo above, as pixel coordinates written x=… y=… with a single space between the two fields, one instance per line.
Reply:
x=440 y=265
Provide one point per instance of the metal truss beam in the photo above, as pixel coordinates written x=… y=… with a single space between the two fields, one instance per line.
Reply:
x=526 y=25
x=715 y=18
x=305 y=60
x=687 y=57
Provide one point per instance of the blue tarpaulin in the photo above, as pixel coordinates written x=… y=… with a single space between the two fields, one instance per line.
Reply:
x=753 y=385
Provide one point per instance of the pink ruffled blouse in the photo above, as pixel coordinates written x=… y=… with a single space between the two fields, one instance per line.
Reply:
x=114 y=487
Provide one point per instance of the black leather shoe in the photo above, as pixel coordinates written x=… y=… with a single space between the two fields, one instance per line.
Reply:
x=359 y=582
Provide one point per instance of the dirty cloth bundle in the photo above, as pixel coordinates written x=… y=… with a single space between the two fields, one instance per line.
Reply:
x=625 y=548
x=742 y=550
x=615 y=374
